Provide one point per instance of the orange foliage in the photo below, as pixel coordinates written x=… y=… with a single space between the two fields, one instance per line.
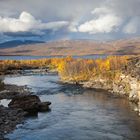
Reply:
x=70 y=68
x=85 y=69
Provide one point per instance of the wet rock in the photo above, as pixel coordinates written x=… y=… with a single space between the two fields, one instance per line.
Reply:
x=27 y=103
x=30 y=103
x=9 y=119
x=44 y=106
x=22 y=105
x=8 y=94
x=12 y=91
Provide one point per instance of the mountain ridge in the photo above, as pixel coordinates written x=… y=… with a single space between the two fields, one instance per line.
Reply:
x=76 y=47
x=15 y=43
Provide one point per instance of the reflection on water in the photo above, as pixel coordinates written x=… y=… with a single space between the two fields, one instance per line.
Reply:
x=36 y=83
x=76 y=114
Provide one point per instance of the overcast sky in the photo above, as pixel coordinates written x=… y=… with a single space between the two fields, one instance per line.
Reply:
x=69 y=19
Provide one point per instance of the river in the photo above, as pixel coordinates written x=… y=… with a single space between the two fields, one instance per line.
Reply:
x=76 y=113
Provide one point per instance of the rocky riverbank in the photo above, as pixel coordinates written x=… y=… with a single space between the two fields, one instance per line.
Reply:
x=21 y=104
x=127 y=84
x=9 y=119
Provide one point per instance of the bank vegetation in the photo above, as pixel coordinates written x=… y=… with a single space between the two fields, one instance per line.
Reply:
x=71 y=69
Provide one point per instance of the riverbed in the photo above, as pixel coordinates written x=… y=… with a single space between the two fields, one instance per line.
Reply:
x=76 y=113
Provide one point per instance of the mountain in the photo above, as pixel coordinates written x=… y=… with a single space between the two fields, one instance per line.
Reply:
x=15 y=43
x=76 y=47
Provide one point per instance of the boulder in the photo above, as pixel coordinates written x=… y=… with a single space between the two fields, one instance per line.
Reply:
x=29 y=103
x=44 y=106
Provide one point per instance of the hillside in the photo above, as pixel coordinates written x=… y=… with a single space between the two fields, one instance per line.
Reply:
x=76 y=47
x=15 y=43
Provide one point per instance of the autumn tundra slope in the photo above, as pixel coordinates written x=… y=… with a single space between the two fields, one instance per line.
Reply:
x=76 y=47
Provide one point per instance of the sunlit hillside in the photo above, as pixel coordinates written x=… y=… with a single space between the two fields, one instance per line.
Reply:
x=76 y=47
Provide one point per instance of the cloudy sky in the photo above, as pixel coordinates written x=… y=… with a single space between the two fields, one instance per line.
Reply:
x=69 y=19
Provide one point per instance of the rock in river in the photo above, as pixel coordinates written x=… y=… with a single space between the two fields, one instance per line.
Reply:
x=29 y=103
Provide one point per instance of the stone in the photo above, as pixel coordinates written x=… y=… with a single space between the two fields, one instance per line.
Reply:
x=30 y=104
x=27 y=103
x=9 y=119
x=44 y=106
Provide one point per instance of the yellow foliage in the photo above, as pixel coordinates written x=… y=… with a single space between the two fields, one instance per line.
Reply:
x=72 y=69
x=85 y=69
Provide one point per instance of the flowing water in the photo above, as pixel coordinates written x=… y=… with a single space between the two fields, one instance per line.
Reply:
x=76 y=113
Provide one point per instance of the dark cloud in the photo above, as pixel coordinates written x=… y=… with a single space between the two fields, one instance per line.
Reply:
x=121 y=18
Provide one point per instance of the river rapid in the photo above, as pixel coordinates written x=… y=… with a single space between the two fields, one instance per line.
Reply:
x=76 y=113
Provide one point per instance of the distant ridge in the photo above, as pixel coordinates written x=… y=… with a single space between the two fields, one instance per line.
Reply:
x=15 y=43
x=76 y=47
